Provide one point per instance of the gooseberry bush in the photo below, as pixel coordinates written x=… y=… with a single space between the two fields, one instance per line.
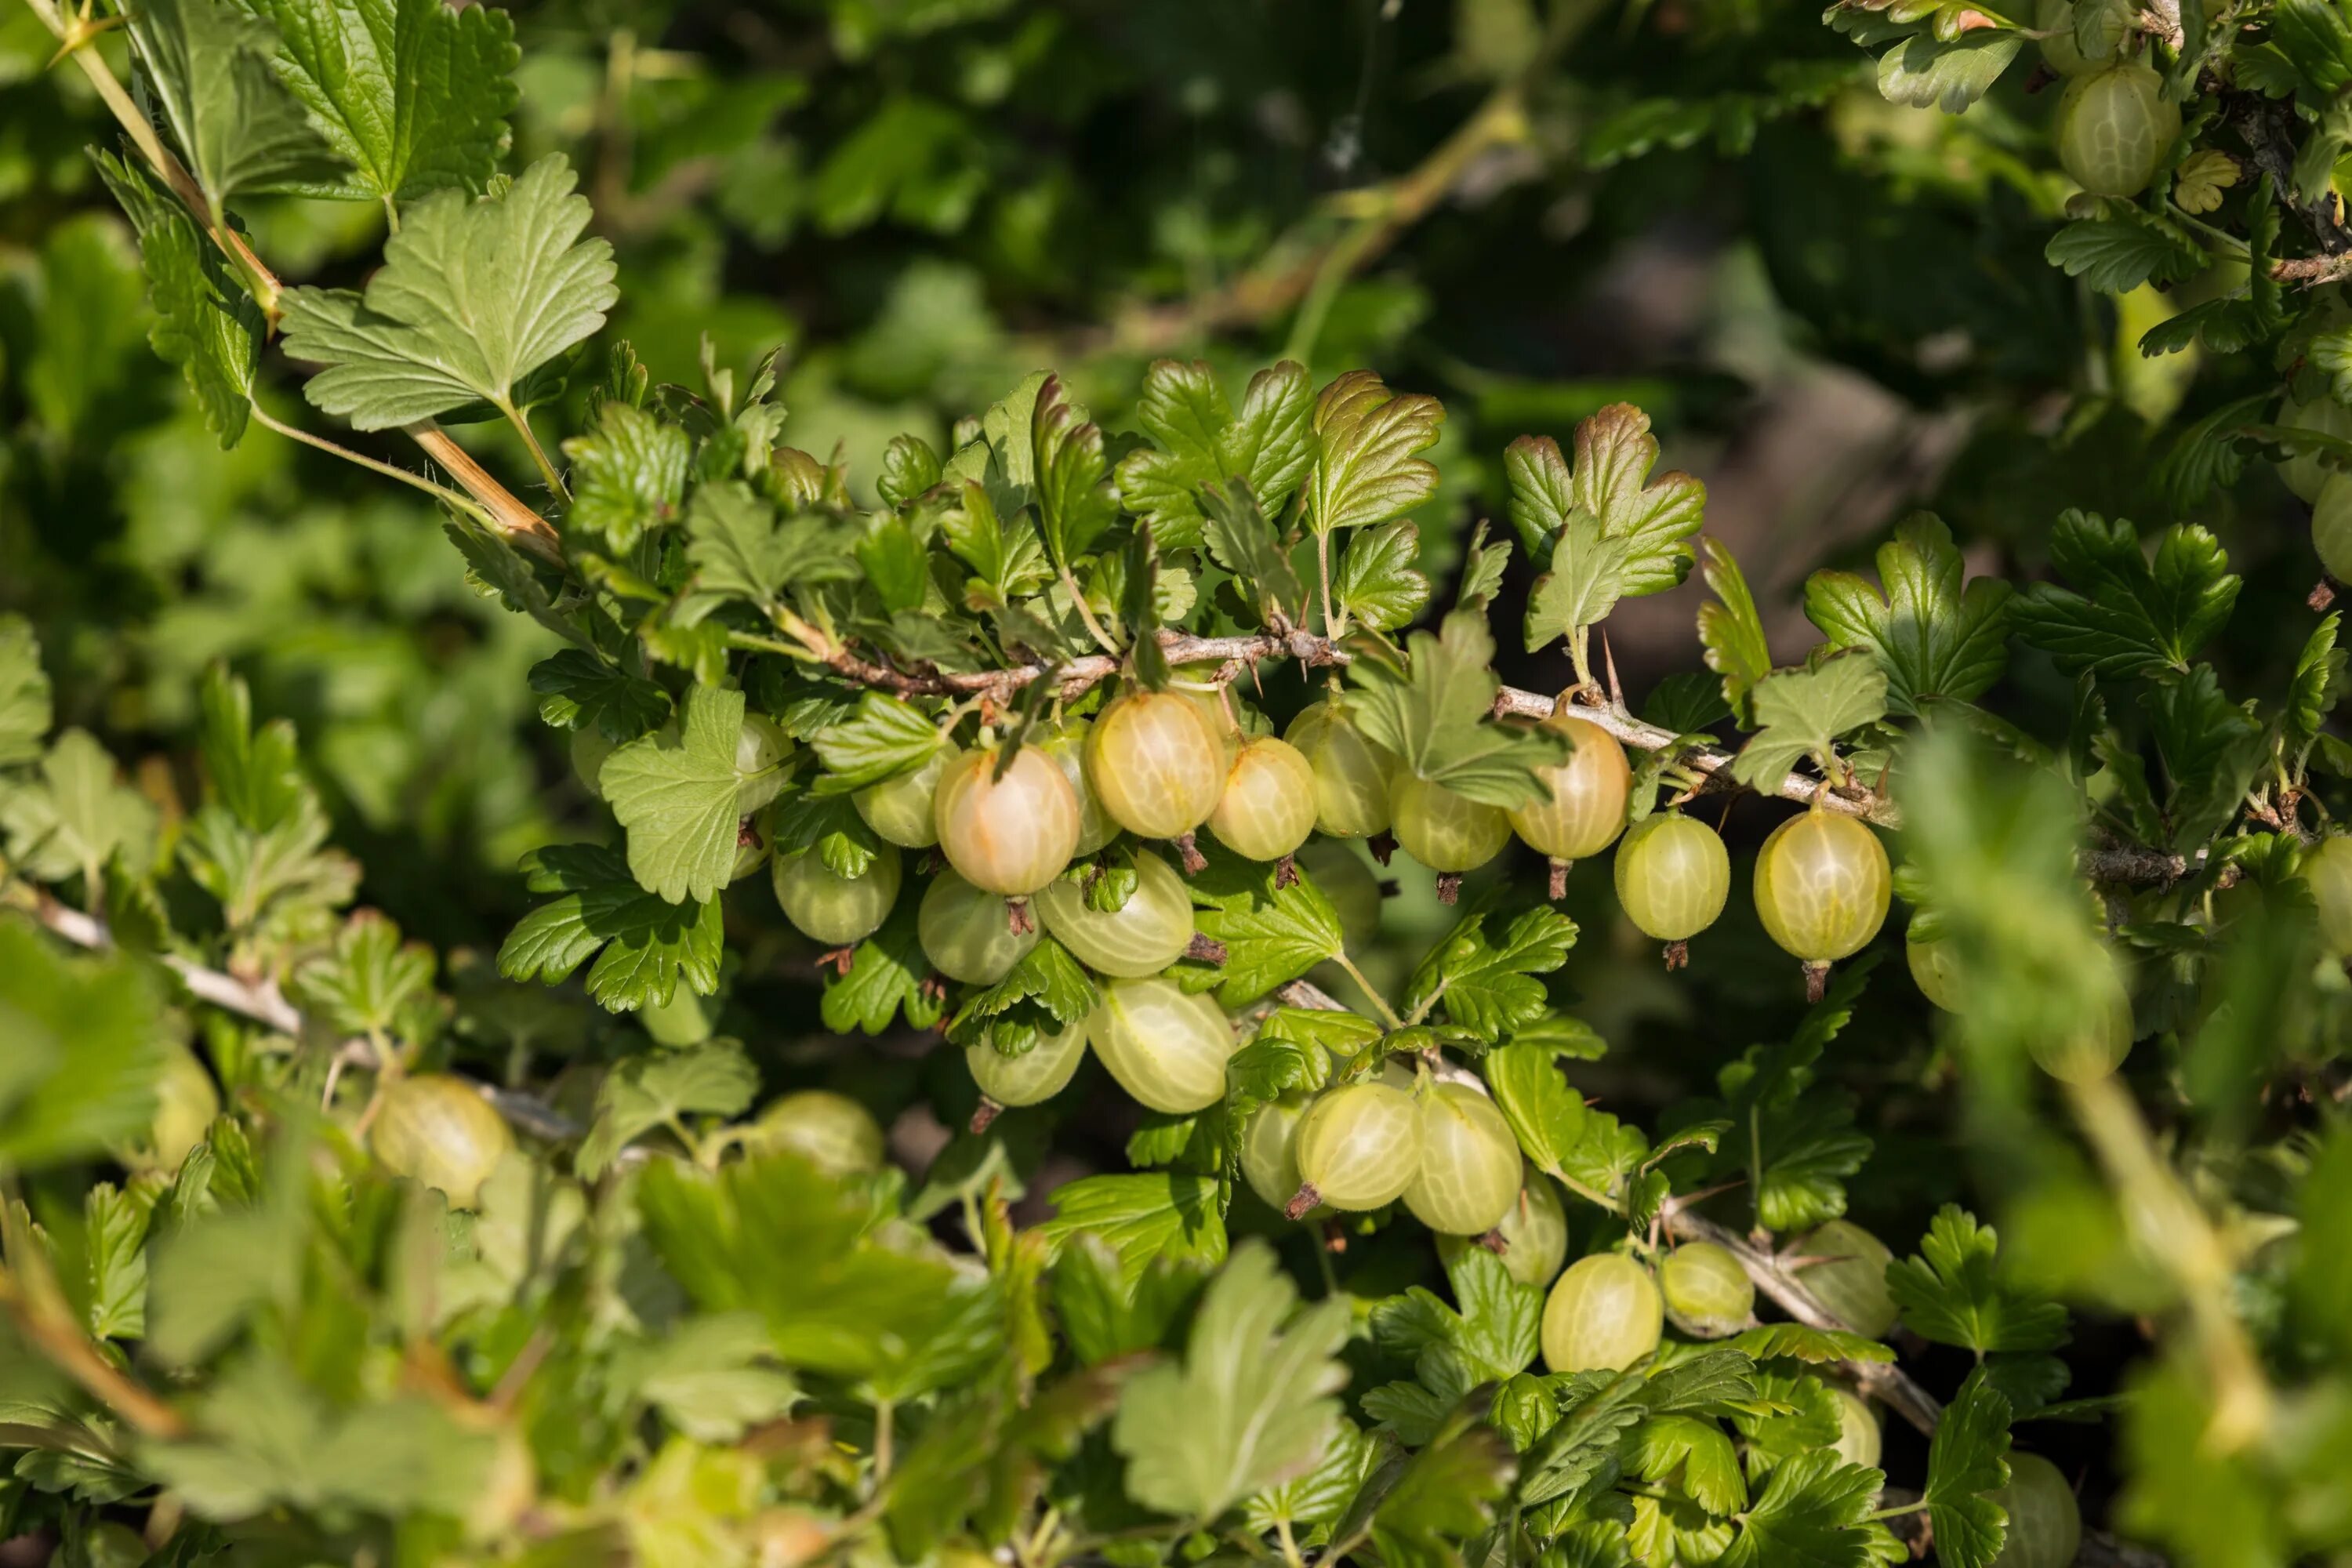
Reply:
x=1088 y=766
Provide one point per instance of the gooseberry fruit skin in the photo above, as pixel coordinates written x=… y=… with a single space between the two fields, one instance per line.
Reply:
x=1584 y=809
x=1534 y=1231
x=2331 y=526
x=967 y=933
x=1167 y=1049
x=1011 y=835
x=1270 y=1151
x=1859 y=1437
x=1935 y=969
x=109 y=1544
x=831 y=1131
x=1823 y=885
x=681 y=1021
x=760 y=744
x=831 y=908
x=1674 y=876
x=2098 y=1049
x=1448 y=833
x=899 y=807
x=1267 y=808
x=185 y=1104
x=1067 y=746
x=2045 y=1523
x=1708 y=1294
x=1602 y=1315
x=2327 y=871
x=1154 y=763
x=1352 y=887
x=1359 y=1146
x=435 y=1129
x=1851 y=1280
x=2059 y=51
x=1036 y=1075
x=2114 y=127
x=2304 y=473
x=1141 y=937
x=1351 y=771
x=1469 y=1177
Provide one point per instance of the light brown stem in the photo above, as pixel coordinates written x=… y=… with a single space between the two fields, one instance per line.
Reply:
x=521 y=525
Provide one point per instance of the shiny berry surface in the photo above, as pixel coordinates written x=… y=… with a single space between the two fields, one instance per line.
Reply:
x=1154 y=763
x=1141 y=937
x=1470 y=1164
x=829 y=907
x=1351 y=771
x=1849 y=1279
x=1708 y=1294
x=1037 y=1074
x=1822 y=885
x=968 y=933
x=899 y=808
x=1534 y=1231
x=1445 y=831
x=831 y=1131
x=1584 y=809
x=1010 y=835
x=1267 y=808
x=1167 y=1049
x=1674 y=876
x=437 y=1130
x=1604 y=1314
x=1359 y=1146
x=2114 y=127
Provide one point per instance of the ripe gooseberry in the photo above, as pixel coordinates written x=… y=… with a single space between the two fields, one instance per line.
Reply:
x=2099 y=1047
x=1448 y=833
x=1011 y=834
x=1858 y=1434
x=1468 y=1178
x=1935 y=969
x=899 y=807
x=1674 y=876
x=1822 y=886
x=2045 y=1523
x=1351 y=770
x=1351 y=885
x=1534 y=1231
x=1851 y=1278
x=2327 y=872
x=1154 y=763
x=831 y=1131
x=1267 y=808
x=2114 y=127
x=436 y=1130
x=831 y=908
x=1142 y=936
x=1036 y=1075
x=967 y=933
x=1066 y=744
x=1708 y=1293
x=1604 y=1315
x=1166 y=1049
x=2305 y=473
x=1270 y=1150
x=1357 y=1148
x=1584 y=809
x=2331 y=526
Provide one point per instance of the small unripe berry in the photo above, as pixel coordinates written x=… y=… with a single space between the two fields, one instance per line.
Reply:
x=1270 y=1151
x=1935 y=969
x=826 y=907
x=1604 y=1315
x=2045 y=1523
x=1470 y=1165
x=2327 y=872
x=1141 y=937
x=1534 y=1231
x=2331 y=526
x=831 y=1131
x=1166 y=1048
x=436 y=1130
x=1850 y=1281
x=1359 y=1146
x=899 y=808
x=1036 y=1075
x=2304 y=473
x=968 y=934
x=1066 y=744
x=1708 y=1293
x=1858 y=1434
x=2114 y=127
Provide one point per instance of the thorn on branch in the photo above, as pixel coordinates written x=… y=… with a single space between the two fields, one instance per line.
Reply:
x=1207 y=948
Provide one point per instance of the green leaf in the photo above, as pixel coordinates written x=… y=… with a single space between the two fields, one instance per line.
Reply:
x=1586 y=577
x=1436 y=716
x=1322 y=1494
x=889 y=973
x=676 y=797
x=237 y=126
x=1046 y=989
x=1801 y=712
x=628 y=475
x=78 y=816
x=1487 y=982
x=708 y=1376
x=25 y=707
x=647 y=943
x=114 y=1262
x=739 y=546
x=1492 y=1336
x=1932 y=637
x=1143 y=1219
x=659 y=1088
x=85 y=1052
x=1966 y=1458
x=1812 y=1512
x=578 y=691
x=2207 y=454
x=2317 y=686
x=1442 y=1498
x=1925 y=72
x=1949 y=1293
x=1249 y=1404
x=1202 y=440
x=1730 y=630
x=472 y=297
x=1240 y=541
x=1377 y=584
x=411 y=94
x=2115 y=256
x=205 y=323
x=1694 y=1455
x=1365 y=470
x=2128 y=616
x=370 y=979
x=2211 y=748
x=909 y=467
x=1548 y=1115
x=1610 y=486
x=1273 y=934
x=1579 y=1452
x=884 y=739
x=1075 y=504
x=1795 y=1341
